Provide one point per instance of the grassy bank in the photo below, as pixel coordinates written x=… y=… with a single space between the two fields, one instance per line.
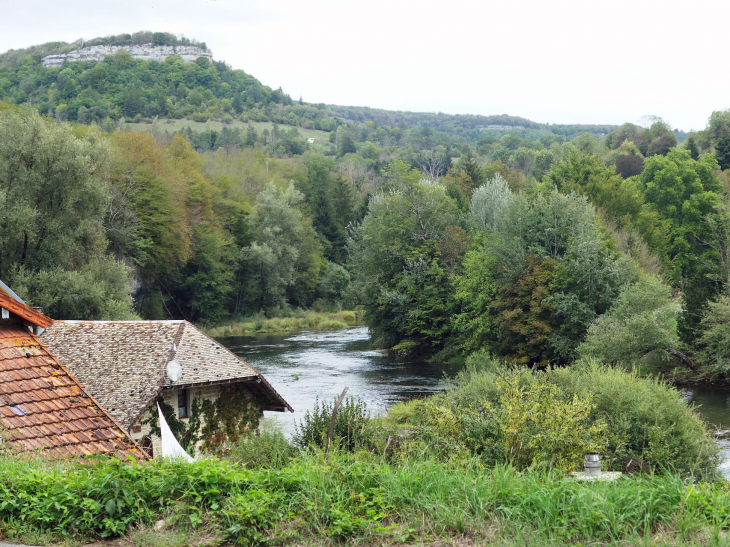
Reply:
x=486 y=462
x=299 y=320
x=356 y=499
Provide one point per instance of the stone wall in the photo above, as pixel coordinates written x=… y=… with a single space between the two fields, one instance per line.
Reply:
x=147 y=52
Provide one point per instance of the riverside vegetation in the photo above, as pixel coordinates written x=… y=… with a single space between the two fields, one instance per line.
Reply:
x=569 y=267
x=538 y=249
x=475 y=463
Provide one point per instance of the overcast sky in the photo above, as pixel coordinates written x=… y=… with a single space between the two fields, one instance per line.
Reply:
x=567 y=61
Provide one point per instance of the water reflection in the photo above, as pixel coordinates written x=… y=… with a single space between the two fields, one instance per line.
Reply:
x=308 y=365
x=713 y=404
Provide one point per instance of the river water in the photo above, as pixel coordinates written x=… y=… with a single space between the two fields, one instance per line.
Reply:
x=308 y=365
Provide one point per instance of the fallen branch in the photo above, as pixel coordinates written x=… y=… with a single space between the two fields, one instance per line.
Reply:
x=683 y=358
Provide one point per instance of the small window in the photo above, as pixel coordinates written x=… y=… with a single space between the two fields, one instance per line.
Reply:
x=182 y=403
x=147 y=447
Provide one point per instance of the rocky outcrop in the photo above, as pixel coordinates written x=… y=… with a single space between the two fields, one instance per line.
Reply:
x=147 y=52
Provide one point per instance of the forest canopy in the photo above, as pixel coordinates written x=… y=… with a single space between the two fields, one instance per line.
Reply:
x=133 y=188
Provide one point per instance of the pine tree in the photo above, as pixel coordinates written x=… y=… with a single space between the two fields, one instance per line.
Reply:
x=722 y=149
x=694 y=150
x=251 y=136
x=347 y=145
x=468 y=163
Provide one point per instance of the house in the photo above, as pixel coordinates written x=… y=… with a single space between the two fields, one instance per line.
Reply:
x=43 y=408
x=209 y=395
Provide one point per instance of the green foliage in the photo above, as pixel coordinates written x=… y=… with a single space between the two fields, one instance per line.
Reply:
x=286 y=254
x=356 y=498
x=334 y=283
x=267 y=449
x=417 y=311
x=622 y=202
x=715 y=339
x=468 y=163
x=51 y=195
x=643 y=319
x=554 y=271
x=685 y=193
x=486 y=202
x=657 y=139
x=394 y=255
x=476 y=289
x=352 y=431
x=544 y=428
x=121 y=86
x=692 y=148
x=99 y=290
x=523 y=315
x=250 y=515
x=722 y=149
x=645 y=418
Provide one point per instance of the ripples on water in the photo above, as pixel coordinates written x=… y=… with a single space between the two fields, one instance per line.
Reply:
x=713 y=403
x=326 y=362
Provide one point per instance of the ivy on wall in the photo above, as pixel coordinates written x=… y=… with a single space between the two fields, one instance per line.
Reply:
x=215 y=423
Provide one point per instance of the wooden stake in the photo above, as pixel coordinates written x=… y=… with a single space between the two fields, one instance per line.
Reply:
x=332 y=423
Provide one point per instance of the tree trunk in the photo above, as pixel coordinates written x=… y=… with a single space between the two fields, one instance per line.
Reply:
x=684 y=359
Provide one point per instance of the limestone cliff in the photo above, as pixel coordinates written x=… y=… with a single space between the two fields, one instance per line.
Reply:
x=147 y=52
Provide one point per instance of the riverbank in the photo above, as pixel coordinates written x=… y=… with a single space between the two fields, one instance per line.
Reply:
x=299 y=320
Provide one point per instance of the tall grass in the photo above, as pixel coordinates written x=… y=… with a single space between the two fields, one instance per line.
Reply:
x=298 y=320
x=356 y=497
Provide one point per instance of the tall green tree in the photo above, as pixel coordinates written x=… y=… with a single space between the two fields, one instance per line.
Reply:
x=686 y=193
x=395 y=254
x=470 y=165
x=722 y=149
x=52 y=197
x=692 y=148
x=285 y=250
x=52 y=205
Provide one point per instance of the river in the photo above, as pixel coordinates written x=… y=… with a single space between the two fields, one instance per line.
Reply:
x=308 y=365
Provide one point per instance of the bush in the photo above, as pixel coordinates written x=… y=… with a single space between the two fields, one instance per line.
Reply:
x=556 y=416
x=356 y=499
x=268 y=449
x=353 y=428
x=334 y=283
x=715 y=339
x=643 y=319
x=544 y=428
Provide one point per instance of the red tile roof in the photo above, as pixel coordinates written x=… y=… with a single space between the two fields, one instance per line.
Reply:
x=42 y=406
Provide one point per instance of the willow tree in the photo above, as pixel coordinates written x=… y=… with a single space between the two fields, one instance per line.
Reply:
x=52 y=204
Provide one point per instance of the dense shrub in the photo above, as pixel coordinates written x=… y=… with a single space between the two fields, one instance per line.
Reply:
x=643 y=319
x=353 y=428
x=267 y=449
x=715 y=340
x=556 y=416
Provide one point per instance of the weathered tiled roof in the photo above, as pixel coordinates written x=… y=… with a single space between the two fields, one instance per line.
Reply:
x=123 y=363
x=43 y=407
